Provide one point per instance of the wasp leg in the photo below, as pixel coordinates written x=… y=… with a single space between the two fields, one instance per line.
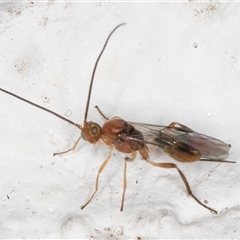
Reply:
x=71 y=149
x=101 y=113
x=99 y=172
x=127 y=159
x=144 y=154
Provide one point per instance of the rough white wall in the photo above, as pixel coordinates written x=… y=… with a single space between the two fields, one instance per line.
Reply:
x=171 y=62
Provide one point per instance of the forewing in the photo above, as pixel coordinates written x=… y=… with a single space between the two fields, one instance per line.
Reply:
x=209 y=147
x=165 y=137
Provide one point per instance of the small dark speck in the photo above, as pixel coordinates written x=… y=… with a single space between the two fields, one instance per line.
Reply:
x=97 y=231
x=8 y=197
x=195 y=45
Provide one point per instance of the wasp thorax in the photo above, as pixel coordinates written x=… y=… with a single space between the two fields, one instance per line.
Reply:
x=91 y=132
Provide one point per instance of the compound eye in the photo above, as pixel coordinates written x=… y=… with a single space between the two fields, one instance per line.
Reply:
x=91 y=132
x=94 y=129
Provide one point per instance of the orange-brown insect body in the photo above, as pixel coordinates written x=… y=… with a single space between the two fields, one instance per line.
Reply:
x=116 y=131
x=185 y=153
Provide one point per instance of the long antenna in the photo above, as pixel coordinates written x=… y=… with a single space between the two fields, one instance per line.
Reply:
x=94 y=70
x=89 y=91
x=43 y=108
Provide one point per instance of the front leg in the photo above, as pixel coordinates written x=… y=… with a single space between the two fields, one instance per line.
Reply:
x=71 y=149
x=103 y=165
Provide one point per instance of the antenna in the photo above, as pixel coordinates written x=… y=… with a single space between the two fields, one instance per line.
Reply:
x=94 y=70
x=43 y=108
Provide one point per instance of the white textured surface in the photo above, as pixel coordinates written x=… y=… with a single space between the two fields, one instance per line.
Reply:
x=171 y=62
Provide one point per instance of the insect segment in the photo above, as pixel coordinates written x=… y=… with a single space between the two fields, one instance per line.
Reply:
x=177 y=140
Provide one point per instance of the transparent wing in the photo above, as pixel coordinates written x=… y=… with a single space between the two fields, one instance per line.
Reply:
x=179 y=135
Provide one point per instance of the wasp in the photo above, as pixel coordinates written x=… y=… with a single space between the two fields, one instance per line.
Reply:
x=178 y=141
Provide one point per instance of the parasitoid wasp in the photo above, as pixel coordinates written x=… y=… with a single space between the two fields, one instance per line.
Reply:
x=178 y=141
